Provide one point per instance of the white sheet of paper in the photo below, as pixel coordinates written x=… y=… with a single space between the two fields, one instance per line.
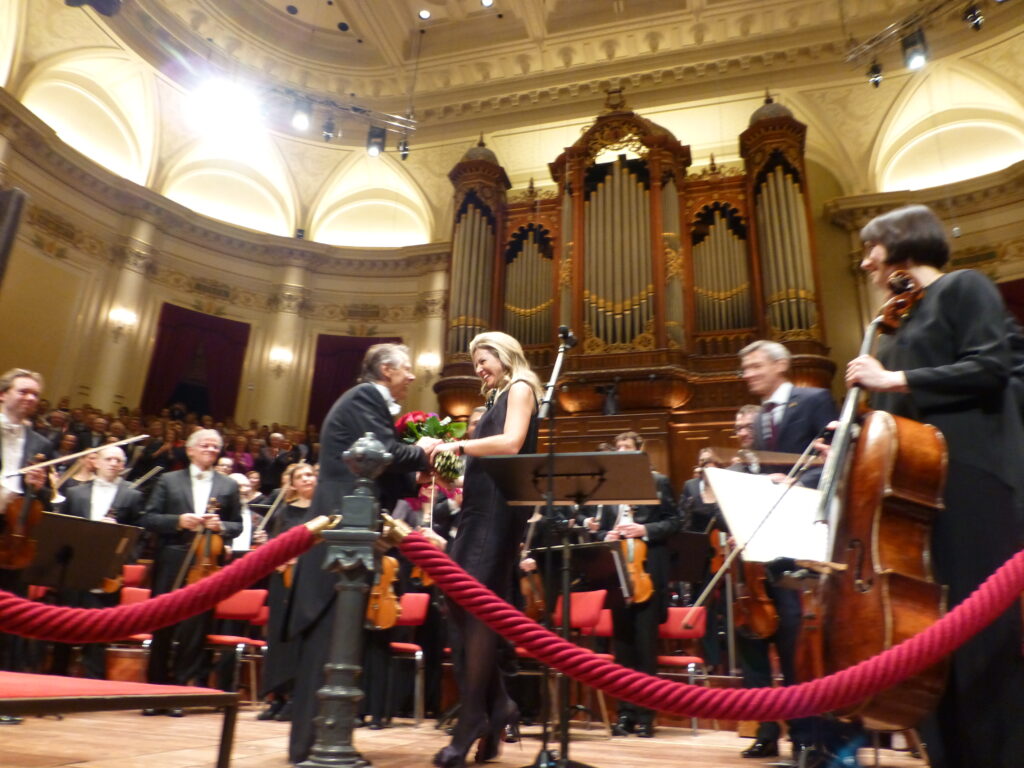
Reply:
x=790 y=531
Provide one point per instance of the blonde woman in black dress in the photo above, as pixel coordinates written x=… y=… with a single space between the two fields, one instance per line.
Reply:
x=487 y=543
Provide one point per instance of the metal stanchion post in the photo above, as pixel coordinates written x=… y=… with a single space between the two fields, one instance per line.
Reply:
x=350 y=556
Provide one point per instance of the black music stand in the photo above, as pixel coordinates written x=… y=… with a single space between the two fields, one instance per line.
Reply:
x=73 y=553
x=570 y=480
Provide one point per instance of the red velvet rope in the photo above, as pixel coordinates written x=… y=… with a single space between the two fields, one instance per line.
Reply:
x=29 y=618
x=825 y=694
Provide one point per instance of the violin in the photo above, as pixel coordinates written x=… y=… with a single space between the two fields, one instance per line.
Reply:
x=209 y=553
x=754 y=612
x=531 y=586
x=21 y=516
x=889 y=485
x=383 y=608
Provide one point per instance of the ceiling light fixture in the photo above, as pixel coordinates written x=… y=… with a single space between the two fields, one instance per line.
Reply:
x=875 y=74
x=424 y=14
x=329 y=129
x=301 y=116
x=974 y=17
x=375 y=139
x=486 y=3
x=915 y=49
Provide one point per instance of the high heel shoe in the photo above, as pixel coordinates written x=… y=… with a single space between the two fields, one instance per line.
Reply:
x=504 y=730
x=454 y=757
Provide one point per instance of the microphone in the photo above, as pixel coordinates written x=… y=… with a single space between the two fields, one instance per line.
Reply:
x=568 y=337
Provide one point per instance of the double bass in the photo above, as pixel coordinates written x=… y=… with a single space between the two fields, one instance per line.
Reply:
x=879 y=589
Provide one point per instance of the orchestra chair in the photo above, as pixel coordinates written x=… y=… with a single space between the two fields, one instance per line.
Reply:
x=130 y=596
x=414 y=606
x=246 y=606
x=585 y=611
x=133 y=575
x=676 y=663
x=603 y=629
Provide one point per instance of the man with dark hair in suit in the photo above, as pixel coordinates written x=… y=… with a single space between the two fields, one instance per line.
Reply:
x=635 y=626
x=370 y=406
x=19 y=396
x=185 y=504
x=790 y=419
x=105 y=498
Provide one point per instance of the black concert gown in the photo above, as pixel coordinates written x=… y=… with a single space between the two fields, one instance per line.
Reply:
x=282 y=651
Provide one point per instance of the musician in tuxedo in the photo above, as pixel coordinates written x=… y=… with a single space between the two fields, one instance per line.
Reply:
x=19 y=397
x=790 y=418
x=370 y=406
x=635 y=626
x=185 y=504
x=105 y=498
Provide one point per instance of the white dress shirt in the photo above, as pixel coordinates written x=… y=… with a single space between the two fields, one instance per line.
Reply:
x=243 y=541
x=393 y=407
x=101 y=499
x=202 y=487
x=779 y=398
x=13 y=435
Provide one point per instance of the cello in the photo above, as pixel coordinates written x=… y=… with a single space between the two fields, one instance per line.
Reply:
x=888 y=487
x=754 y=613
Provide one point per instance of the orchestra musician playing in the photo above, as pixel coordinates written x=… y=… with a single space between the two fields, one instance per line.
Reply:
x=487 y=544
x=949 y=364
x=184 y=506
x=790 y=418
x=19 y=397
x=635 y=625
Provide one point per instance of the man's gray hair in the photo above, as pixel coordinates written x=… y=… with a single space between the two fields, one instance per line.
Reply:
x=203 y=434
x=772 y=349
x=379 y=355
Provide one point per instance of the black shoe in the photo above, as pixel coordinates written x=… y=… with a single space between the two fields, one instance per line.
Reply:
x=644 y=730
x=623 y=726
x=811 y=757
x=376 y=724
x=10 y=720
x=511 y=735
x=762 y=748
x=175 y=712
x=151 y=711
x=271 y=711
x=284 y=715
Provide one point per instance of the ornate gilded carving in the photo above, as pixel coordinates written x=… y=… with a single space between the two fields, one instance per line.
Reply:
x=565 y=267
x=292 y=299
x=57 y=227
x=673 y=259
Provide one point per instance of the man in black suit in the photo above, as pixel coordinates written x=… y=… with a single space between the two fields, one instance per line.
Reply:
x=790 y=419
x=368 y=407
x=186 y=504
x=635 y=626
x=105 y=498
x=19 y=396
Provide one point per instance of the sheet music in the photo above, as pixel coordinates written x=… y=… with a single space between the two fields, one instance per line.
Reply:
x=790 y=531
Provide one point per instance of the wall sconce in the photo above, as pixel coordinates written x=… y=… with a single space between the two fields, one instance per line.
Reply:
x=429 y=364
x=280 y=359
x=121 y=320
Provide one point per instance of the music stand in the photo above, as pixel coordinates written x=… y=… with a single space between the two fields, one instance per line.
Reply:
x=73 y=553
x=574 y=480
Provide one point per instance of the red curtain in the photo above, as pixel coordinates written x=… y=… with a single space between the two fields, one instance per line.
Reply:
x=338 y=360
x=180 y=335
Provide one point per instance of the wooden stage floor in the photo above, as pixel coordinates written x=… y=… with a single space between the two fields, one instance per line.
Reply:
x=127 y=740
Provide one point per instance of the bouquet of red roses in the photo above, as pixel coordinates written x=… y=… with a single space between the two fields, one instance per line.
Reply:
x=416 y=424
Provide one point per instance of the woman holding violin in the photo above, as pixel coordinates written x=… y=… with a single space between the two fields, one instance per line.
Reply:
x=487 y=543
x=297 y=485
x=949 y=365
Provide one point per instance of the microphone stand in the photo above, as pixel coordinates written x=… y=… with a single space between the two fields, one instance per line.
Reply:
x=546 y=758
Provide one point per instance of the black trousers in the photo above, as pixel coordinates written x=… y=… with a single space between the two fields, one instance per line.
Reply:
x=635 y=645
x=177 y=654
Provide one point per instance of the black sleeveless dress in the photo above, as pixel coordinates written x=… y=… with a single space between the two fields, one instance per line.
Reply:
x=487 y=542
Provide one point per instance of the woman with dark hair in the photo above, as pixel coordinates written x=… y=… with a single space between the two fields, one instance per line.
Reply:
x=949 y=364
x=487 y=543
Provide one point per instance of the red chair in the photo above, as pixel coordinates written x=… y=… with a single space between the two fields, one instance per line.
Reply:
x=674 y=629
x=245 y=605
x=133 y=575
x=414 y=612
x=130 y=596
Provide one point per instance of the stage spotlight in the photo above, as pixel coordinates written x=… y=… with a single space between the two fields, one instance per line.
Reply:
x=974 y=17
x=915 y=49
x=403 y=149
x=875 y=74
x=301 y=116
x=375 y=139
x=329 y=129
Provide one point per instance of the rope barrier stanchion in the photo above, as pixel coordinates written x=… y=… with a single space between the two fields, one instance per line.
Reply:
x=840 y=689
x=29 y=618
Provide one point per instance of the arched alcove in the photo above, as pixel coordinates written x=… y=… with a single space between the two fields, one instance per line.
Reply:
x=371 y=202
x=10 y=31
x=101 y=103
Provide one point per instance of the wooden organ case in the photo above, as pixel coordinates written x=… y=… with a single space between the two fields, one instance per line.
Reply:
x=662 y=275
